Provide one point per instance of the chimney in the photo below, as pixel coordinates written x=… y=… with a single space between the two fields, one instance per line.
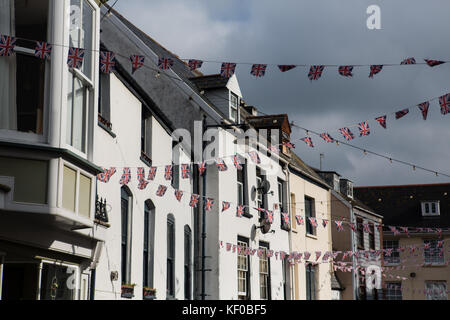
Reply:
x=347 y=188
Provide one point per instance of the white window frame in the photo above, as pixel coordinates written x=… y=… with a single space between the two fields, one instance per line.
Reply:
x=233 y=95
x=244 y=270
x=434 y=258
x=79 y=171
x=427 y=283
x=394 y=292
x=430 y=203
x=266 y=275
x=63 y=264
x=391 y=261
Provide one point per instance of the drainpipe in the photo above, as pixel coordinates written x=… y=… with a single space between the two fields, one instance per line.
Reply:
x=354 y=280
x=203 y=295
x=288 y=187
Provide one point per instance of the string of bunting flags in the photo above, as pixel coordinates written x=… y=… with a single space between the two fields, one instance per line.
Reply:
x=43 y=50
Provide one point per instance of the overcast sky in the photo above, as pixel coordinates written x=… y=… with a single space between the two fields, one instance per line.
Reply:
x=315 y=32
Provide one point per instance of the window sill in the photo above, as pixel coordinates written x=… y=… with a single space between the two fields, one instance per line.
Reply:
x=247 y=215
x=434 y=265
x=311 y=236
x=104 y=224
x=108 y=130
x=285 y=228
x=146 y=159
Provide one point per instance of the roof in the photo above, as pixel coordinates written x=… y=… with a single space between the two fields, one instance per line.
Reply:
x=298 y=163
x=213 y=81
x=401 y=205
x=268 y=121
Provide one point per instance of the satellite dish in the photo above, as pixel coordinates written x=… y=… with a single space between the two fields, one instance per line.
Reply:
x=265 y=187
x=253 y=233
x=253 y=193
x=265 y=227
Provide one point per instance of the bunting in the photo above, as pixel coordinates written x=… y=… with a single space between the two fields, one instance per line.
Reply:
x=194 y=200
x=195 y=64
x=75 y=58
x=315 y=72
x=444 y=102
x=7 y=45
x=165 y=63
x=255 y=157
x=152 y=173
x=286 y=67
x=221 y=165
x=308 y=141
x=227 y=69
x=258 y=70
x=374 y=69
x=409 y=61
x=401 y=113
x=126 y=176
x=137 y=62
x=433 y=63
x=168 y=172
x=43 y=50
x=209 y=203
x=185 y=171
x=107 y=61
x=347 y=134
x=346 y=71
x=161 y=191
x=178 y=195
x=423 y=107
x=326 y=137
x=201 y=167
x=225 y=206
x=382 y=121
x=364 y=129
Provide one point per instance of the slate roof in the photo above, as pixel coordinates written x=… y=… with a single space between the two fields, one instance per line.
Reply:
x=401 y=205
x=212 y=81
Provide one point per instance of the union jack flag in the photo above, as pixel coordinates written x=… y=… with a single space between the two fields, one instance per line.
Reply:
x=424 y=109
x=313 y=221
x=427 y=246
x=201 y=167
x=225 y=206
x=300 y=220
x=348 y=135
x=409 y=61
x=142 y=184
x=43 y=50
x=126 y=176
x=209 y=204
x=401 y=113
x=269 y=216
x=104 y=176
x=306 y=255
x=308 y=141
x=346 y=71
x=288 y=144
x=382 y=121
x=239 y=211
x=315 y=72
x=439 y=231
x=286 y=67
x=440 y=244
x=165 y=63
x=178 y=195
x=75 y=58
x=405 y=230
x=388 y=252
x=137 y=62
x=433 y=63
x=380 y=228
x=394 y=230
x=152 y=173
x=194 y=200
x=339 y=225
x=221 y=165
x=274 y=149
x=259 y=70
x=352 y=226
x=366 y=228
x=7 y=45
x=185 y=171
x=324 y=223
x=364 y=129
x=168 y=173
x=107 y=61
x=255 y=157
x=227 y=69
x=195 y=64
x=374 y=69
x=285 y=217
x=236 y=162
x=326 y=137
x=318 y=254
x=141 y=174
x=444 y=102
x=161 y=191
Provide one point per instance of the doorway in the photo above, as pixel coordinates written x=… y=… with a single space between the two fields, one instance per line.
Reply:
x=19 y=281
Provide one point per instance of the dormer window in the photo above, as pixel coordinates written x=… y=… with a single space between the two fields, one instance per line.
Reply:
x=234 y=107
x=430 y=208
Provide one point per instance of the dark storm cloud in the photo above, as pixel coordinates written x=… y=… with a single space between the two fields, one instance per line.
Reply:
x=326 y=32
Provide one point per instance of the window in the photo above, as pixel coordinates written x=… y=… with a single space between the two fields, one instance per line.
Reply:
x=430 y=208
x=310 y=212
x=23 y=77
x=282 y=203
x=80 y=82
x=264 y=272
x=394 y=258
x=170 y=256
x=187 y=263
x=310 y=282
x=260 y=198
x=393 y=291
x=293 y=212
x=242 y=189
x=65 y=277
x=243 y=267
x=436 y=290
x=76 y=195
x=126 y=214
x=146 y=135
x=149 y=238
x=360 y=233
x=104 y=103
x=433 y=255
x=175 y=166
x=234 y=107
x=372 y=236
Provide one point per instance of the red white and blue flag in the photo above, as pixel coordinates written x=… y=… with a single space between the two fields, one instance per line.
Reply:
x=209 y=204
x=433 y=63
x=227 y=69
x=347 y=134
x=339 y=225
x=285 y=218
x=326 y=137
x=444 y=102
x=274 y=149
x=141 y=179
x=255 y=157
x=364 y=129
x=165 y=63
x=161 y=191
x=185 y=171
x=7 y=45
x=201 y=167
x=178 y=195
x=152 y=173
x=382 y=121
x=405 y=230
x=324 y=223
x=75 y=58
x=239 y=211
x=106 y=175
x=43 y=50
x=313 y=221
x=168 y=173
x=225 y=206
x=300 y=220
x=306 y=255
x=346 y=71
x=126 y=176
x=142 y=184
x=366 y=228
x=237 y=163
x=195 y=64
x=194 y=200
x=401 y=113
x=286 y=67
x=269 y=216
x=424 y=109
x=394 y=230
x=221 y=165
x=315 y=72
x=137 y=62
x=409 y=61
x=258 y=70
x=374 y=69
x=308 y=141
x=107 y=61
x=288 y=144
